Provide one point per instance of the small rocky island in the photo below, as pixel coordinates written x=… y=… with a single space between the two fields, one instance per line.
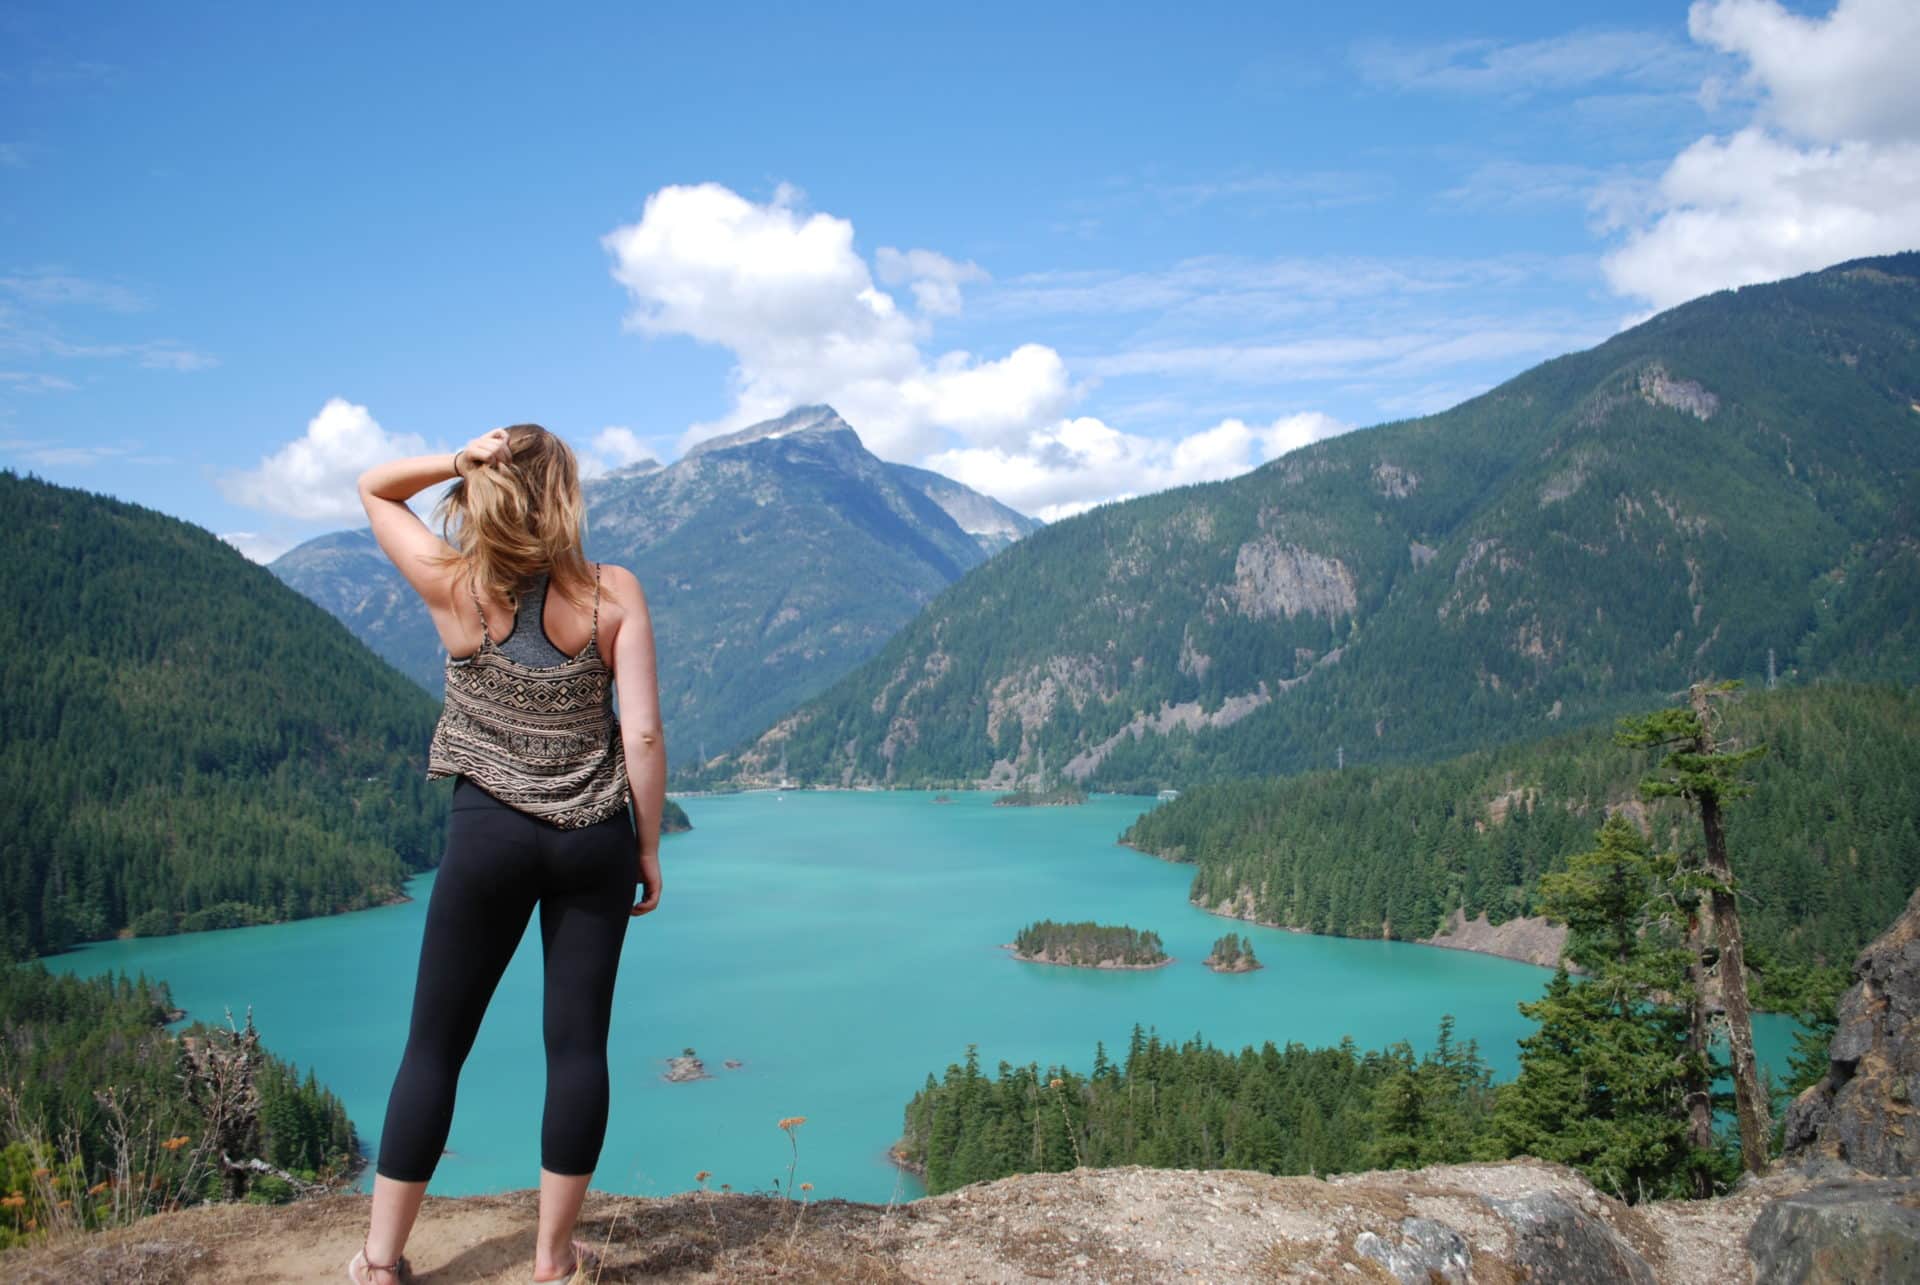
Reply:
x=1233 y=954
x=1089 y=945
x=673 y=819
x=686 y=1068
x=1064 y=795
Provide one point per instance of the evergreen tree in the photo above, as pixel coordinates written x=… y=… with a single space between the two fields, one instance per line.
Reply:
x=1699 y=768
x=1607 y=1081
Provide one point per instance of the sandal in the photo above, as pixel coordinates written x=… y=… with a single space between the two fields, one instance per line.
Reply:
x=584 y=1258
x=401 y=1269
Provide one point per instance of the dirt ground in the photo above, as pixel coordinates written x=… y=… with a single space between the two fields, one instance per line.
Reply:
x=1117 y=1225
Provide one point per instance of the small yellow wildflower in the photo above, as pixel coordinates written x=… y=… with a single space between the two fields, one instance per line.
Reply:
x=793 y=1122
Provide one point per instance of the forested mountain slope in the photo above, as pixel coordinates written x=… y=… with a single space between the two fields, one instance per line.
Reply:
x=1735 y=479
x=188 y=742
x=1826 y=849
x=774 y=559
x=345 y=572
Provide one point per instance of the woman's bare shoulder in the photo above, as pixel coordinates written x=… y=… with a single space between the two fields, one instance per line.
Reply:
x=622 y=586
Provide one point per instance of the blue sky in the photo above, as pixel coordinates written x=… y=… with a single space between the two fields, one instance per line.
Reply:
x=1063 y=252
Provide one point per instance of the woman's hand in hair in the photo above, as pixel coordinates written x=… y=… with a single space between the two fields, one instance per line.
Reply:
x=487 y=448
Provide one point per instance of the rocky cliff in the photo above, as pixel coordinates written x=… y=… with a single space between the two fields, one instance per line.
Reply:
x=1862 y=1111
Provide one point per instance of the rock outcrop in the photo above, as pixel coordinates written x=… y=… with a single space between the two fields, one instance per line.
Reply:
x=1529 y=939
x=1862 y=1111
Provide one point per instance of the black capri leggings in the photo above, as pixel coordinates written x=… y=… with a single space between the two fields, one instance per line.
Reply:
x=499 y=864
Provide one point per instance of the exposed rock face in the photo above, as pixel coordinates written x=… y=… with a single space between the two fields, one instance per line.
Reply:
x=1840 y=1233
x=1862 y=1111
x=1394 y=482
x=1273 y=579
x=1531 y=940
x=1662 y=389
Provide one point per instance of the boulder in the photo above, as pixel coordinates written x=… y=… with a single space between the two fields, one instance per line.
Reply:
x=1839 y=1233
x=1862 y=1111
x=1555 y=1240
x=1425 y=1251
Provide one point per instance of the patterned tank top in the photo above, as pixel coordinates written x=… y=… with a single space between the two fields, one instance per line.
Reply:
x=542 y=739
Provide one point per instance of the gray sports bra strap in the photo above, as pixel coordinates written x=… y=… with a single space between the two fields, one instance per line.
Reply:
x=595 y=635
x=484 y=636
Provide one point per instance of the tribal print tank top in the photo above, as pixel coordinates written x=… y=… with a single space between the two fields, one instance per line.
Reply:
x=542 y=739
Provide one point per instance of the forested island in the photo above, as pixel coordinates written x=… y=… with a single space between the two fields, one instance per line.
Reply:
x=1232 y=954
x=1064 y=795
x=1089 y=945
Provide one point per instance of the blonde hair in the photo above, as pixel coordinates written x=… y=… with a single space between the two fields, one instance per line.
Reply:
x=510 y=519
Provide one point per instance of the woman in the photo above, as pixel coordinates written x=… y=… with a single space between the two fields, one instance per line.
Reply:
x=544 y=774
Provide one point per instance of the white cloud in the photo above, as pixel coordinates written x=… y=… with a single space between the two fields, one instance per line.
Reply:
x=1282 y=190
x=615 y=446
x=1408 y=353
x=1229 y=287
x=787 y=293
x=1555 y=63
x=1846 y=76
x=1756 y=207
x=52 y=453
x=1830 y=170
x=257 y=547
x=315 y=476
x=33 y=381
x=934 y=278
x=50 y=286
x=1074 y=464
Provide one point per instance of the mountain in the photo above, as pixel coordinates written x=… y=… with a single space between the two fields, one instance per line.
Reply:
x=345 y=572
x=1731 y=485
x=991 y=523
x=774 y=559
x=189 y=743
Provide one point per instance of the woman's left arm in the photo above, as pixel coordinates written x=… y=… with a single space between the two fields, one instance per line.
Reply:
x=401 y=535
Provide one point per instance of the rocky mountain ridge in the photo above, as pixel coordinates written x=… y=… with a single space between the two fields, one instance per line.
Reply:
x=1731 y=488
x=774 y=558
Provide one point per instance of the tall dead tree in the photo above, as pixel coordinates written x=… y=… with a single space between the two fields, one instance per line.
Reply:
x=1709 y=773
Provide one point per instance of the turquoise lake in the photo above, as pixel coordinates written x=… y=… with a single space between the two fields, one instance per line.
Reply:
x=840 y=946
